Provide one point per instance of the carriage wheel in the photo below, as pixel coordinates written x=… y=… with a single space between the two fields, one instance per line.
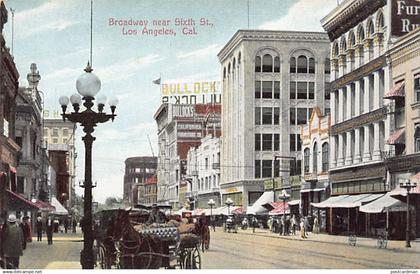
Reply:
x=102 y=258
x=192 y=259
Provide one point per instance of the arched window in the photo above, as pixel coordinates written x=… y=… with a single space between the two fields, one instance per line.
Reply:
x=302 y=64
x=306 y=160
x=233 y=64
x=335 y=50
x=343 y=45
x=257 y=64
x=239 y=58
x=311 y=65
x=327 y=66
x=371 y=29
x=380 y=23
x=267 y=63
x=417 y=139
x=315 y=159
x=228 y=69
x=325 y=157
x=361 y=34
x=352 y=40
x=224 y=73
x=292 y=65
x=277 y=64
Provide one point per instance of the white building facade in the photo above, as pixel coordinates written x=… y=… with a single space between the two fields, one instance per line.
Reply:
x=271 y=82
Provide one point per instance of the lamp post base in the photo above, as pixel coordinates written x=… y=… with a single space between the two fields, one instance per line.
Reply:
x=85 y=260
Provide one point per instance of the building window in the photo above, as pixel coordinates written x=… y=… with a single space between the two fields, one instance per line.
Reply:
x=325 y=157
x=292 y=65
x=65 y=132
x=302 y=64
x=315 y=159
x=311 y=65
x=266 y=168
x=292 y=142
x=306 y=160
x=55 y=140
x=292 y=90
x=311 y=90
x=257 y=64
x=327 y=88
x=302 y=90
x=417 y=139
x=257 y=169
x=301 y=116
x=276 y=142
x=298 y=143
x=267 y=89
x=45 y=131
x=295 y=167
x=267 y=63
x=327 y=67
x=417 y=87
x=55 y=132
x=258 y=116
x=267 y=116
x=276 y=168
x=206 y=160
x=276 y=90
x=257 y=142
x=276 y=116
x=292 y=116
x=20 y=187
x=257 y=89
x=267 y=142
x=277 y=64
x=64 y=140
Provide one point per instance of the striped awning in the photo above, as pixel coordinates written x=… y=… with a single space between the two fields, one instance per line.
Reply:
x=395 y=91
x=397 y=137
x=280 y=209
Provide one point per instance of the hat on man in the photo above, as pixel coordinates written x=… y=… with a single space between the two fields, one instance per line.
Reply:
x=12 y=218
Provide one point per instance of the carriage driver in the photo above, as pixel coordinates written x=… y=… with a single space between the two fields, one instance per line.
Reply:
x=156 y=216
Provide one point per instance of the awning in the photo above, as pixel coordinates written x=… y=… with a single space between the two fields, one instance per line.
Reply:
x=198 y=211
x=400 y=193
x=312 y=189
x=59 y=208
x=383 y=204
x=395 y=91
x=238 y=211
x=281 y=208
x=44 y=206
x=397 y=137
x=180 y=211
x=271 y=206
x=224 y=210
x=348 y=201
x=15 y=202
x=257 y=207
x=294 y=202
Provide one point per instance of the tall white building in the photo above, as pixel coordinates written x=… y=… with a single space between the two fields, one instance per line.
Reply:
x=271 y=82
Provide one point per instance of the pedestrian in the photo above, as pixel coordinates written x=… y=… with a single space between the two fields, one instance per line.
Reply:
x=27 y=231
x=50 y=230
x=270 y=223
x=254 y=223
x=315 y=228
x=212 y=223
x=39 y=228
x=283 y=226
x=66 y=225
x=293 y=224
x=287 y=225
x=12 y=242
x=74 y=226
x=306 y=223
x=302 y=229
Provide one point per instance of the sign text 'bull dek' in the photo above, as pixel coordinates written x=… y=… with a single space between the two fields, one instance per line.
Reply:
x=191 y=93
x=405 y=16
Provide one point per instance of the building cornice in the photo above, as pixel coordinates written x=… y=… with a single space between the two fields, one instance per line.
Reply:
x=359 y=121
x=348 y=14
x=406 y=48
x=269 y=35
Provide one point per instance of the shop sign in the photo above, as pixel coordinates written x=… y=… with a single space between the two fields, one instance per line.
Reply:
x=191 y=93
x=405 y=16
x=268 y=185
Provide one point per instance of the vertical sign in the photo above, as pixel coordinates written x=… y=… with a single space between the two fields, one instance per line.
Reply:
x=405 y=16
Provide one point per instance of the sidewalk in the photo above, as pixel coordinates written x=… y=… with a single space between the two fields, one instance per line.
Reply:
x=397 y=246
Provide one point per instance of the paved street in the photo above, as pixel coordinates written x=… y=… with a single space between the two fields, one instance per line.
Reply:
x=267 y=250
x=63 y=254
x=248 y=250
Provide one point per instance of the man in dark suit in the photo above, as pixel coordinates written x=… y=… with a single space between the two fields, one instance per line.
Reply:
x=50 y=229
x=39 y=229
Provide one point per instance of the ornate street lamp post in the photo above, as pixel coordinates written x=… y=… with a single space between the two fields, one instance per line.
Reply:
x=88 y=85
x=408 y=185
x=284 y=196
x=229 y=202
x=211 y=203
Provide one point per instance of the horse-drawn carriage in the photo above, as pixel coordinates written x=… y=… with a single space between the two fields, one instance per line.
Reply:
x=125 y=239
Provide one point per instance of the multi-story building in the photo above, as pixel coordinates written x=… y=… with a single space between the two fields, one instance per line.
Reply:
x=404 y=162
x=181 y=127
x=203 y=172
x=59 y=137
x=362 y=117
x=9 y=149
x=28 y=135
x=150 y=190
x=138 y=171
x=271 y=82
x=315 y=150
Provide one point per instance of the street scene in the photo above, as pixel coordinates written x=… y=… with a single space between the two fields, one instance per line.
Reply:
x=273 y=134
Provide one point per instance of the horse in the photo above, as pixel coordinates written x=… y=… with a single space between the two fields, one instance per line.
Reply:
x=135 y=250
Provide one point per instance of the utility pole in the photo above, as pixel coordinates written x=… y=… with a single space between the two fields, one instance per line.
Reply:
x=150 y=143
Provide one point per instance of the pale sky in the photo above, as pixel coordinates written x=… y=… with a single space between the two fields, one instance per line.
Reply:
x=55 y=35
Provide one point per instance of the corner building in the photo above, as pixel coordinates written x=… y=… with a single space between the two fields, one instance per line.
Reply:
x=271 y=82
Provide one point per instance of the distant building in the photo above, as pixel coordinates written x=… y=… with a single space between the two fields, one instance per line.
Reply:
x=203 y=173
x=59 y=137
x=138 y=172
x=271 y=82
x=181 y=127
x=150 y=190
x=315 y=153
